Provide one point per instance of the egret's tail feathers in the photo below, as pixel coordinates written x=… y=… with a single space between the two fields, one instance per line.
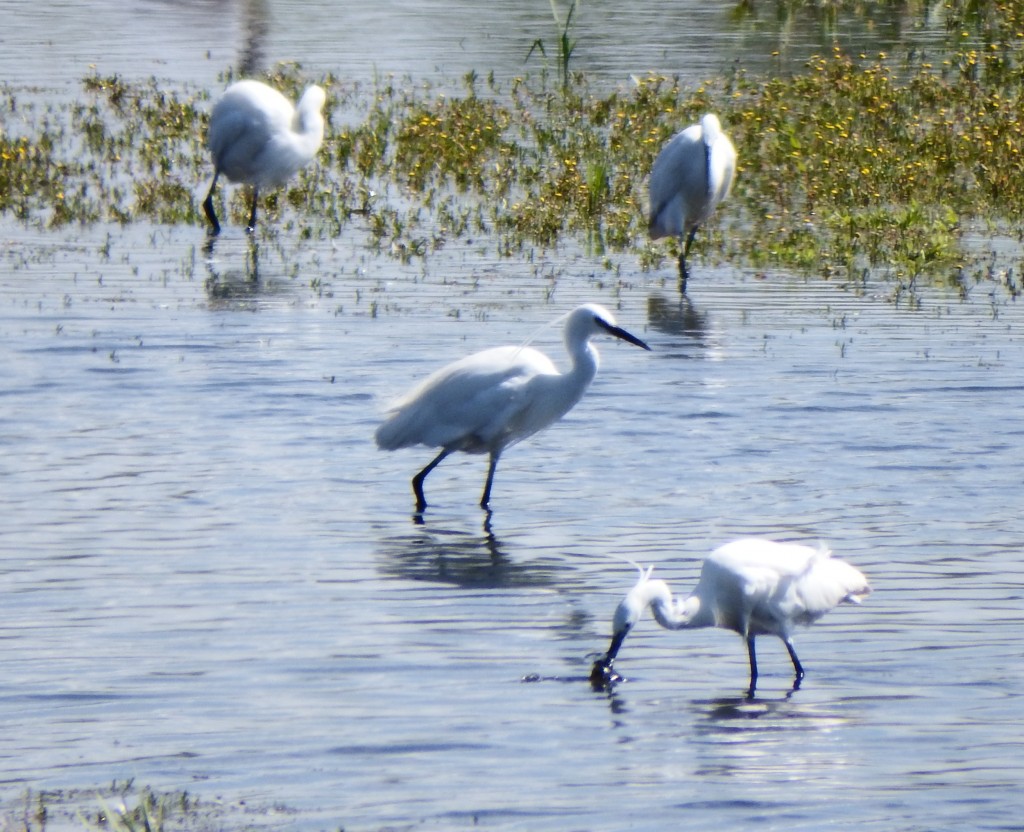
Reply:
x=830 y=582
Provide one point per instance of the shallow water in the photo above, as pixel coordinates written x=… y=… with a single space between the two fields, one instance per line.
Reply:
x=194 y=41
x=214 y=582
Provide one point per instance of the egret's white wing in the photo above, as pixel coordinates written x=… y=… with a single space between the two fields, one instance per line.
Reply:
x=678 y=185
x=463 y=405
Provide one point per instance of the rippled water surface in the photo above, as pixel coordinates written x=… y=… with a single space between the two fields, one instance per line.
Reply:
x=213 y=581
x=440 y=40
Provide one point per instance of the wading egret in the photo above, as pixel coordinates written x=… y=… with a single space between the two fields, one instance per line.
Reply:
x=691 y=175
x=492 y=399
x=752 y=586
x=258 y=138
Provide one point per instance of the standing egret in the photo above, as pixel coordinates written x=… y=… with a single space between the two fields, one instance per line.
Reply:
x=691 y=175
x=752 y=586
x=492 y=399
x=257 y=137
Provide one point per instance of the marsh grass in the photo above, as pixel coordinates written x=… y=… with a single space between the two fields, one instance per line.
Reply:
x=565 y=44
x=857 y=163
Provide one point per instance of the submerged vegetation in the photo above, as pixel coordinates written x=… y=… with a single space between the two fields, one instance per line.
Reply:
x=857 y=163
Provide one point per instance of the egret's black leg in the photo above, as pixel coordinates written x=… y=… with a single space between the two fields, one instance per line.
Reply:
x=684 y=274
x=417 y=481
x=486 y=498
x=799 y=668
x=252 y=214
x=211 y=214
x=684 y=270
x=753 y=667
x=689 y=241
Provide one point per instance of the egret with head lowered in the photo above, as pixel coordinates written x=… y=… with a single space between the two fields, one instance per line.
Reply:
x=487 y=401
x=692 y=174
x=752 y=586
x=258 y=138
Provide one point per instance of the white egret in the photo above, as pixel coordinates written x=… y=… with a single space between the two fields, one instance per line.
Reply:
x=752 y=586
x=258 y=138
x=492 y=399
x=691 y=175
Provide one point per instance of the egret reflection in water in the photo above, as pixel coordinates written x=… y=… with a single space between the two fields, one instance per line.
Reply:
x=675 y=316
x=231 y=284
x=741 y=738
x=255 y=29
x=465 y=559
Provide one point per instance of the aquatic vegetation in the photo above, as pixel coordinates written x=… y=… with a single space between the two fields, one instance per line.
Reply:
x=27 y=168
x=888 y=168
x=122 y=806
x=565 y=45
x=453 y=139
x=855 y=163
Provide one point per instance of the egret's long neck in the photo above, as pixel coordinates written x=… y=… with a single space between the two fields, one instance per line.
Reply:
x=308 y=125
x=585 y=361
x=672 y=614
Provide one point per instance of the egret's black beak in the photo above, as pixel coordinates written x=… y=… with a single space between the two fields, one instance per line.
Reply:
x=613 y=648
x=601 y=673
x=619 y=332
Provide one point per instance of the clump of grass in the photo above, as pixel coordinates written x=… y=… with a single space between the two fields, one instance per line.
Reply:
x=122 y=806
x=149 y=813
x=460 y=140
x=28 y=168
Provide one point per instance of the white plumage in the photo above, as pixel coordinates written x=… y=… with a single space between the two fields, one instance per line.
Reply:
x=751 y=586
x=691 y=176
x=489 y=400
x=257 y=137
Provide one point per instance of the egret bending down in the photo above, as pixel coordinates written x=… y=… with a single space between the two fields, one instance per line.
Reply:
x=258 y=138
x=754 y=587
x=691 y=175
x=489 y=400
